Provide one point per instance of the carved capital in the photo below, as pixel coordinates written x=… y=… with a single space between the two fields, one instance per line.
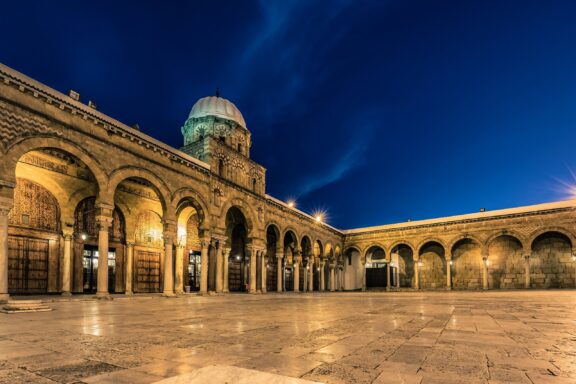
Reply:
x=104 y=222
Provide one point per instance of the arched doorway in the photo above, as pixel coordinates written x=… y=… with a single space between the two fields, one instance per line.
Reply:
x=188 y=259
x=432 y=265
x=403 y=265
x=272 y=242
x=239 y=260
x=353 y=273
x=376 y=276
x=290 y=243
x=306 y=264
x=551 y=264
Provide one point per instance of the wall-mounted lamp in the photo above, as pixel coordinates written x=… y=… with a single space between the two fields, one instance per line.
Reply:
x=83 y=236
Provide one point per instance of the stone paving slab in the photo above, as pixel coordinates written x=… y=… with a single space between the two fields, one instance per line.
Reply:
x=400 y=337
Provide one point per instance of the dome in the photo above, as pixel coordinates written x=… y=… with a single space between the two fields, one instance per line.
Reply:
x=219 y=107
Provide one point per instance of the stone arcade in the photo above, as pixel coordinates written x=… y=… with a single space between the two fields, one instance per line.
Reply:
x=76 y=184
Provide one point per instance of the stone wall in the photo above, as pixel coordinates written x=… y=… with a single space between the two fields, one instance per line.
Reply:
x=507 y=265
x=467 y=265
x=551 y=264
x=433 y=267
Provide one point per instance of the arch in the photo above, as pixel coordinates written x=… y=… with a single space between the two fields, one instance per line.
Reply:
x=244 y=207
x=306 y=241
x=127 y=172
x=401 y=242
x=288 y=230
x=430 y=240
x=375 y=244
x=552 y=260
x=563 y=231
x=328 y=250
x=16 y=151
x=352 y=246
x=465 y=236
x=196 y=200
x=518 y=236
x=271 y=224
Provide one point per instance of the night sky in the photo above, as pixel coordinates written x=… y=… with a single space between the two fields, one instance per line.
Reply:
x=377 y=111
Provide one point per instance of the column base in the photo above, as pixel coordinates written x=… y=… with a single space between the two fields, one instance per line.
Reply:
x=168 y=294
x=129 y=293
x=66 y=293
x=103 y=296
x=4 y=297
x=180 y=293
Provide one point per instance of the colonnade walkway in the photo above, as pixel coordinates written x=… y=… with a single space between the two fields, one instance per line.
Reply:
x=350 y=337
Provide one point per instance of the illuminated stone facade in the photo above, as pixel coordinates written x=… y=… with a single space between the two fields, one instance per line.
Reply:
x=75 y=184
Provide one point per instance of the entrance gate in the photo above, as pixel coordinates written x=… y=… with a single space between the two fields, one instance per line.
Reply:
x=27 y=265
x=148 y=272
x=194 y=267
x=90 y=268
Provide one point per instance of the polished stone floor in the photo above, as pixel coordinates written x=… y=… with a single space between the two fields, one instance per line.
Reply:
x=405 y=337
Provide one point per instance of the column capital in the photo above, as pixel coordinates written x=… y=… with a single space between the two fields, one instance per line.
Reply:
x=226 y=251
x=279 y=255
x=130 y=243
x=103 y=222
x=527 y=256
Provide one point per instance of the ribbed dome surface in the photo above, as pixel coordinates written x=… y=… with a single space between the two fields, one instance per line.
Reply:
x=217 y=106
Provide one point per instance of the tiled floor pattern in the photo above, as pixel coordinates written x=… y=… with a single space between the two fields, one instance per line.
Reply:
x=425 y=337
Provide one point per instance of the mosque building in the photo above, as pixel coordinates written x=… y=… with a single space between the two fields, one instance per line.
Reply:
x=76 y=184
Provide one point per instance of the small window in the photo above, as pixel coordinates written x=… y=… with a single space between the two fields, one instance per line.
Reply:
x=239 y=147
x=220 y=167
x=254 y=184
x=222 y=139
x=349 y=259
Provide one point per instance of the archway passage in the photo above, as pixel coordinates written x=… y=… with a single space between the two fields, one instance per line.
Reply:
x=403 y=266
x=290 y=243
x=432 y=266
x=35 y=223
x=188 y=258
x=49 y=184
x=239 y=260
x=272 y=241
x=506 y=263
x=551 y=264
x=376 y=276
x=145 y=229
x=306 y=263
x=467 y=265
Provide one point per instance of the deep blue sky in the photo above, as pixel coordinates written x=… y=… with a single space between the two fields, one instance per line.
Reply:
x=377 y=111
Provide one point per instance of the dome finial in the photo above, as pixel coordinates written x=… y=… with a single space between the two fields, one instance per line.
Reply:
x=218 y=92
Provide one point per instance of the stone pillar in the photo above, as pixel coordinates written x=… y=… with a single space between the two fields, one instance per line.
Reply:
x=219 y=268
x=342 y=278
x=103 y=221
x=364 y=276
x=67 y=265
x=332 y=280
x=311 y=275
x=527 y=271
x=264 y=270
x=204 y=266
x=169 y=233
x=253 y=269
x=416 y=274
x=448 y=271
x=388 y=280
x=279 y=257
x=226 y=263
x=296 y=275
x=305 y=279
x=321 y=282
x=129 y=266
x=179 y=270
x=485 y=271
x=398 y=273
x=4 y=210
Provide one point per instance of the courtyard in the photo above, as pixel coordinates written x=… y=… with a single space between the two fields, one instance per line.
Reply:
x=373 y=337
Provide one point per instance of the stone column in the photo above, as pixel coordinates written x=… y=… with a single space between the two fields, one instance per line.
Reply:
x=388 y=280
x=226 y=262
x=305 y=279
x=129 y=266
x=264 y=270
x=279 y=257
x=103 y=221
x=296 y=275
x=253 y=270
x=416 y=273
x=364 y=276
x=311 y=275
x=179 y=270
x=67 y=265
x=448 y=271
x=204 y=266
x=342 y=278
x=321 y=282
x=332 y=280
x=219 y=268
x=398 y=274
x=169 y=233
x=205 y=243
x=485 y=271
x=4 y=210
x=527 y=271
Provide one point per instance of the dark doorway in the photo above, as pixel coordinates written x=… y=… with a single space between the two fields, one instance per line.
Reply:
x=27 y=265
x=90 y=269
x=194 y=269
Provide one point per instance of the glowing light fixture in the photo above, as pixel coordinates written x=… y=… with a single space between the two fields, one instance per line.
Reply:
x=83 y=237
x=420 y=263
x=238 y=257
x=291 y=203
x=451 y=262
